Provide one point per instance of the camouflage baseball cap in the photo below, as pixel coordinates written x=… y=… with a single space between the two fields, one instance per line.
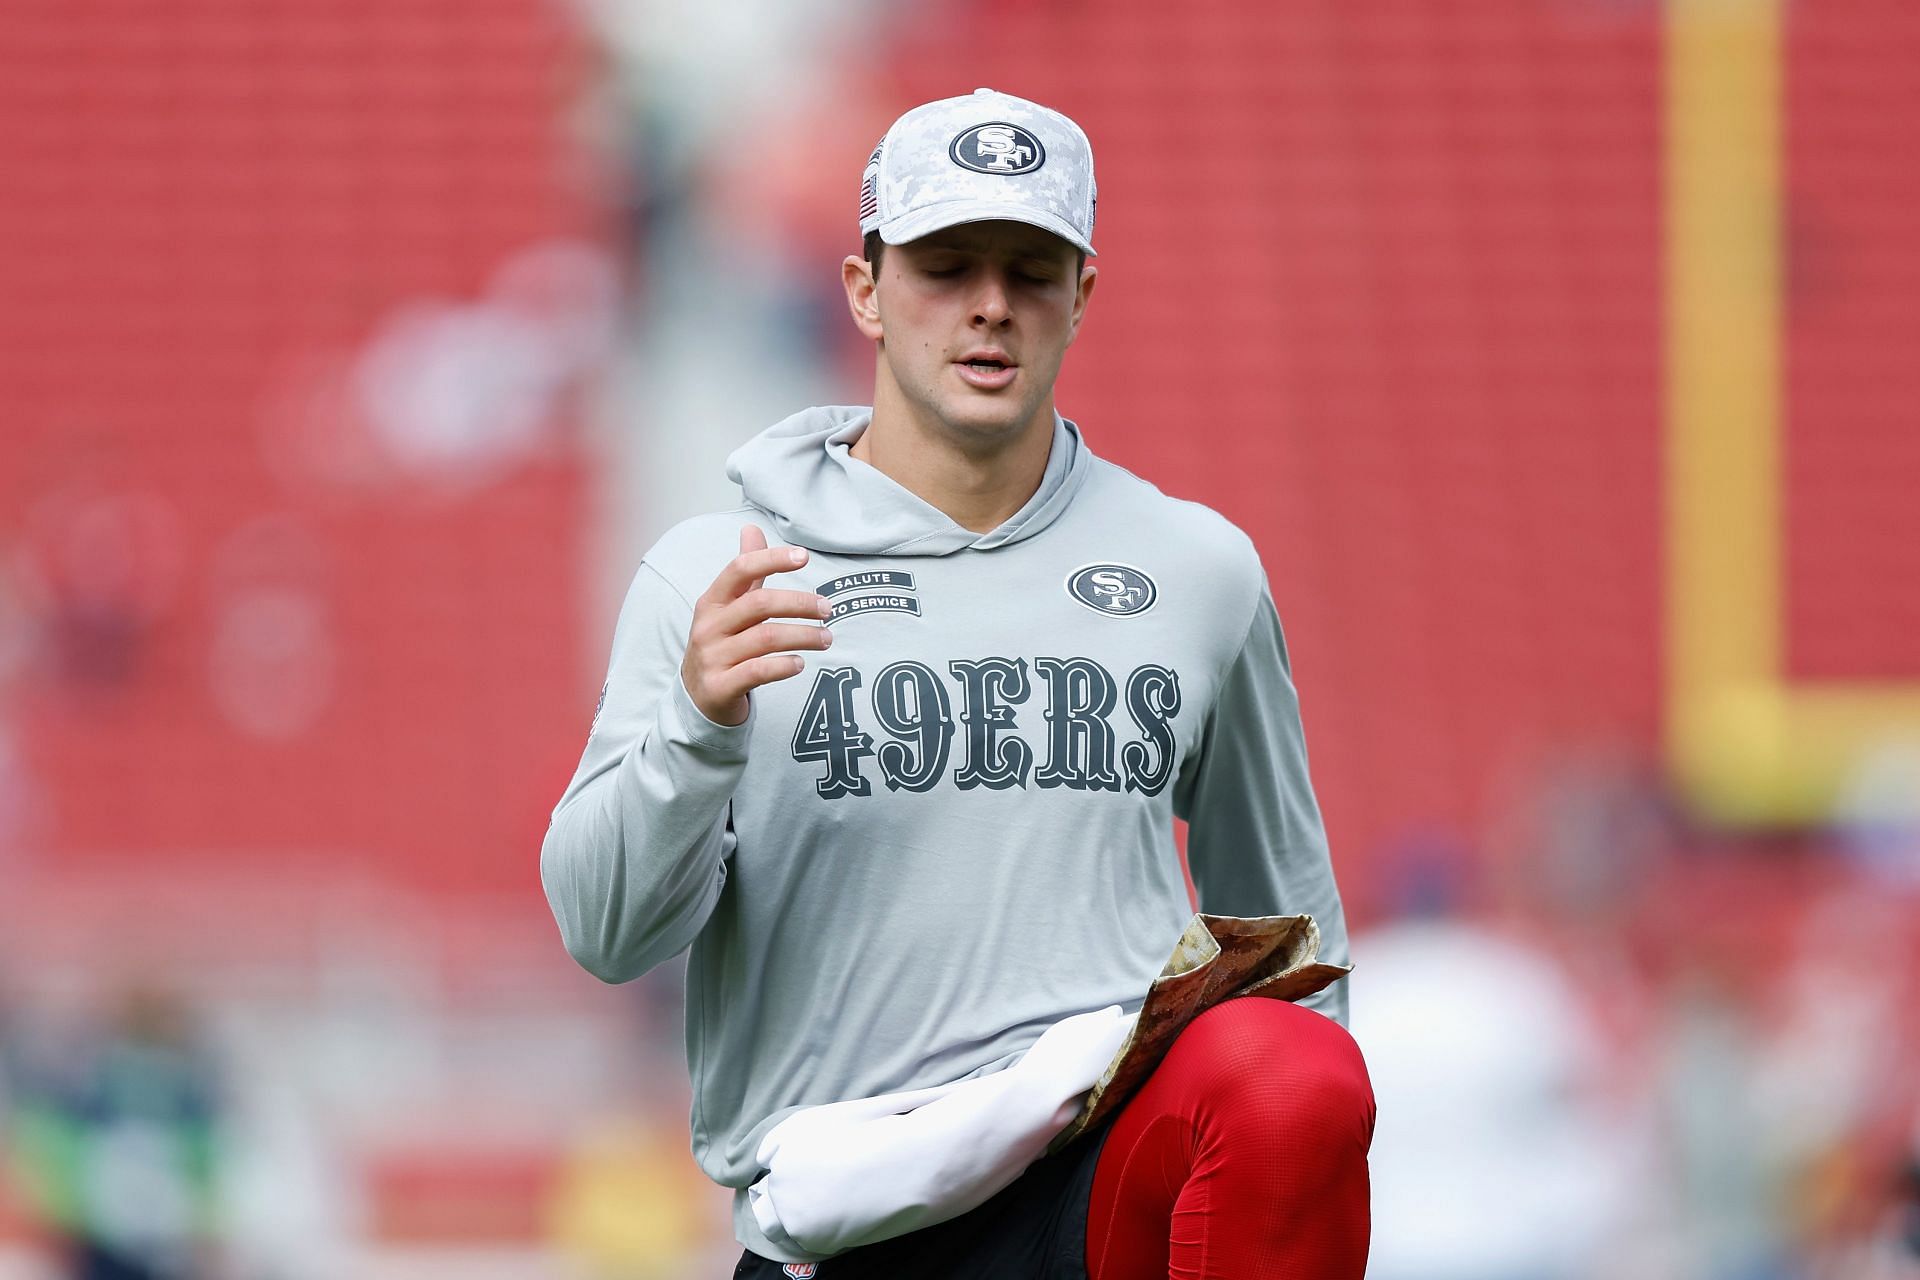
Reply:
x=985 y=155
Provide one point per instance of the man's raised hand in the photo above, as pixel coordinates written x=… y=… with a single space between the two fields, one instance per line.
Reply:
x=734 y=646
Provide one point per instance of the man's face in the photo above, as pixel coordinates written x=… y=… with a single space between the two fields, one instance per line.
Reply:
x=972 y=323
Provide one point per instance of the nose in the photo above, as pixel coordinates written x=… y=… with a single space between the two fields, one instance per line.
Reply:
x=991 y=306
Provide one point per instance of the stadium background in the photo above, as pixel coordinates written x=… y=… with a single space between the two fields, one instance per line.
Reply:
x=1556 y=353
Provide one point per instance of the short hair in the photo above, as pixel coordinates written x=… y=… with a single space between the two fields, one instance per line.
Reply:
x=873 y=248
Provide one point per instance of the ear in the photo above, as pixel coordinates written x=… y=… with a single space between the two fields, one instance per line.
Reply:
x=856 y=276
x=1082 y=292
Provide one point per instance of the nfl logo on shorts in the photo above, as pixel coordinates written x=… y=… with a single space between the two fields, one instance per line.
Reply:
x=801 y=1270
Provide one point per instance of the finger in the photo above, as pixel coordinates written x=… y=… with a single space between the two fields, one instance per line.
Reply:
x=753 y=538
x=755 y=672
x=769 y=637
x=769 y=602
x=749 y=568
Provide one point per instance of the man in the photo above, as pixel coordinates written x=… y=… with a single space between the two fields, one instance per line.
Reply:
x=921 y=869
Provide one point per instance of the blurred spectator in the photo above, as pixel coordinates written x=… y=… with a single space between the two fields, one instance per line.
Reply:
x=1903 y=1236
x=1496 y=1155
x=100 y=567
x=630 y=1204
x=1725 y=1174
x=114 y=1138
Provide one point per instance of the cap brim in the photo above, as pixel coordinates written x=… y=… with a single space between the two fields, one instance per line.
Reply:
x=932 y=218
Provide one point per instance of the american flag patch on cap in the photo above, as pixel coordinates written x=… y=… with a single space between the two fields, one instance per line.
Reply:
x=870 y=185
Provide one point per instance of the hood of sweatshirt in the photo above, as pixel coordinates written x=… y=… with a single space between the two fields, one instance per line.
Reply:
x=802 y=473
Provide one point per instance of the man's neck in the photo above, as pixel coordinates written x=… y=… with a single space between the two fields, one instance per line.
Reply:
x=976 y=490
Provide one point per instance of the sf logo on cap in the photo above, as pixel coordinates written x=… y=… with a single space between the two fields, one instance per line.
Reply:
x=997 y=148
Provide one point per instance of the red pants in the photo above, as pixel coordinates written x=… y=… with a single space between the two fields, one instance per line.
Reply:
x=1243 y=1156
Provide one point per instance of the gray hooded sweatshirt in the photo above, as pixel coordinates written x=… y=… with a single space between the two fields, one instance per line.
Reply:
x=955 y=826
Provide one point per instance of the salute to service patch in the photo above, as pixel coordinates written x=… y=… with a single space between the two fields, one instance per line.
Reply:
x=877 y=589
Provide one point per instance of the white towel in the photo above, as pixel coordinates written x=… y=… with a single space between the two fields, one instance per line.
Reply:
x=851 y=1173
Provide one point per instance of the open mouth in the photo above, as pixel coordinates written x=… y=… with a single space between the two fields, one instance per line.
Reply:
x=987 y=373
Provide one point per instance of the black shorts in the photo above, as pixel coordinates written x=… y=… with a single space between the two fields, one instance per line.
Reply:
x=1034 y=1229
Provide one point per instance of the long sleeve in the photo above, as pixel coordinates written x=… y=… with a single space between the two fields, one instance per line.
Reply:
x=636 y=854
x=1255 y=841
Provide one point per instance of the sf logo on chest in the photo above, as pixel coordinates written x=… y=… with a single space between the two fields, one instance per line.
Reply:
x=980 y=701
x=1117 y=590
